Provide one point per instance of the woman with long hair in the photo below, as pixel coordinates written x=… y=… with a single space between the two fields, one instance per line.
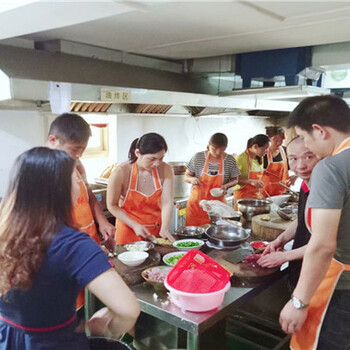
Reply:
x=213 y=168
x=45 y=263
x=250 y=163
x=140 y=192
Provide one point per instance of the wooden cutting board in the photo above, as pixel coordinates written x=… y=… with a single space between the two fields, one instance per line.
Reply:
x=268 y=230
x=242 y=271
x=132 y=274
x=252 y=272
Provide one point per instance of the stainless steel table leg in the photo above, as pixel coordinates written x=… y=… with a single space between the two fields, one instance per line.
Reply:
x=152 y=333
x=212 y=338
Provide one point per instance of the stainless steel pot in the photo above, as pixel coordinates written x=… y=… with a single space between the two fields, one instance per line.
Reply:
x=190 y=232
x=181 y=188
x=250 y=207
x=179 y=168
x=226 y=236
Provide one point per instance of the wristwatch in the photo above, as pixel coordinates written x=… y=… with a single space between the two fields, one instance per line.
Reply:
x=298 y=304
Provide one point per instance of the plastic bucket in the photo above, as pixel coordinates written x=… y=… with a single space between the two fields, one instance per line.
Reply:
x=197 y=302
x=101 y=343
x=197 y=273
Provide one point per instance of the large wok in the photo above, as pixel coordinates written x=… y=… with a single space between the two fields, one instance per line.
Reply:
x=226 y=235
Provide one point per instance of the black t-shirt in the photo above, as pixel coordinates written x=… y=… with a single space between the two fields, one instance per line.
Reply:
x=302 y=236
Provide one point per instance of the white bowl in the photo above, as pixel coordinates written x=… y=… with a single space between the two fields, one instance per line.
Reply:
x=279 y=200
x=188 y=244
x=197 y=302
x=216 y=192
x=170 y=255
x=133 y=258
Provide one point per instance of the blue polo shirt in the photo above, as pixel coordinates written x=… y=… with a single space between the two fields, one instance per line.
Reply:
x=36 y=316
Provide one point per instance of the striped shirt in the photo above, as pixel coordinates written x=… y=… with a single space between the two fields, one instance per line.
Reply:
x=196 y=165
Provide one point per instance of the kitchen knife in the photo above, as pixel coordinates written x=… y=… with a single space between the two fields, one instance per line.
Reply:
x=236 y=256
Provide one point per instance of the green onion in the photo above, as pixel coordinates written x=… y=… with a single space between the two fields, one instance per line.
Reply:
x=172 y=260
x=188 y=244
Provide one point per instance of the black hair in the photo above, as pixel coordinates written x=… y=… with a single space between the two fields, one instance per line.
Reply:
x=218 y=140
x=260 y=140
x=36 y=205
x=325 y=110
x=273 y=130
x=70 y=127
x=147 y=144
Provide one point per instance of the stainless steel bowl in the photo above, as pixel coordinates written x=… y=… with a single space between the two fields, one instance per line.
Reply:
x=226 y=236
x=250 y=207
x=287 y=213
x=190 y=232
x=142 y=246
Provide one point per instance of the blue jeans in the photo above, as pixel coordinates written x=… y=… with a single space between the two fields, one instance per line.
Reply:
x=335 y=331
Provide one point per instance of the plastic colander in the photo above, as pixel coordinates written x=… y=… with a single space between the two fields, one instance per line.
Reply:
x=196 y=272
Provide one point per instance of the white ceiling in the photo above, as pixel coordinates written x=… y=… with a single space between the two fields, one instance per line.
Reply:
x=179 y=29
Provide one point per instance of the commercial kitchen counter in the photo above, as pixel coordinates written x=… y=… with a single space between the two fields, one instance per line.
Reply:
x=162 y=325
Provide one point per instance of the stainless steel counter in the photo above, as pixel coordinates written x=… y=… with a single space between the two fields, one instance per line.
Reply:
x=161 y=307
x=161 y=322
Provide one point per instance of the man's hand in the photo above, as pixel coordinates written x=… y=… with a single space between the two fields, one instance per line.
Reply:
x=273 y=247
x=292 y=319
x=272 y=260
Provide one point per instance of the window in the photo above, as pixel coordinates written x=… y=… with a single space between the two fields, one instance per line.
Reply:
x=98 y=142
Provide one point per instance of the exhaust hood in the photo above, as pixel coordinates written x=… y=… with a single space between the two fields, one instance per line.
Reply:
x=288 y=93
x=25 y=77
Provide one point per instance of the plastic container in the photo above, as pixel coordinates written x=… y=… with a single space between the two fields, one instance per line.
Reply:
x=197 y=302
x=279 y=200
x=216 y=192
x=197 y=273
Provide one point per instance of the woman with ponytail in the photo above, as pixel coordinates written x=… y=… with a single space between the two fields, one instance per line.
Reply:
x=140 y=192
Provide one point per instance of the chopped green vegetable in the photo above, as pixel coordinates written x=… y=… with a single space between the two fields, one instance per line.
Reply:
x=188 y=244
x=172 y=260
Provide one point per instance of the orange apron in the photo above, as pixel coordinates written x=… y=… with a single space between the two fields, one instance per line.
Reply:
x=307 y=338
x=195 y=215
x=83 y=220
x=146 y=210
x=274 y=173
x=249 y=191
x=82 y=214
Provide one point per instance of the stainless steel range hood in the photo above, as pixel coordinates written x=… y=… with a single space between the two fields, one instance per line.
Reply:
x=25 y=76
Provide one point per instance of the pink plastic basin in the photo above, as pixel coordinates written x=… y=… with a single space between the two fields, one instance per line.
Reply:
x=197 y=302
